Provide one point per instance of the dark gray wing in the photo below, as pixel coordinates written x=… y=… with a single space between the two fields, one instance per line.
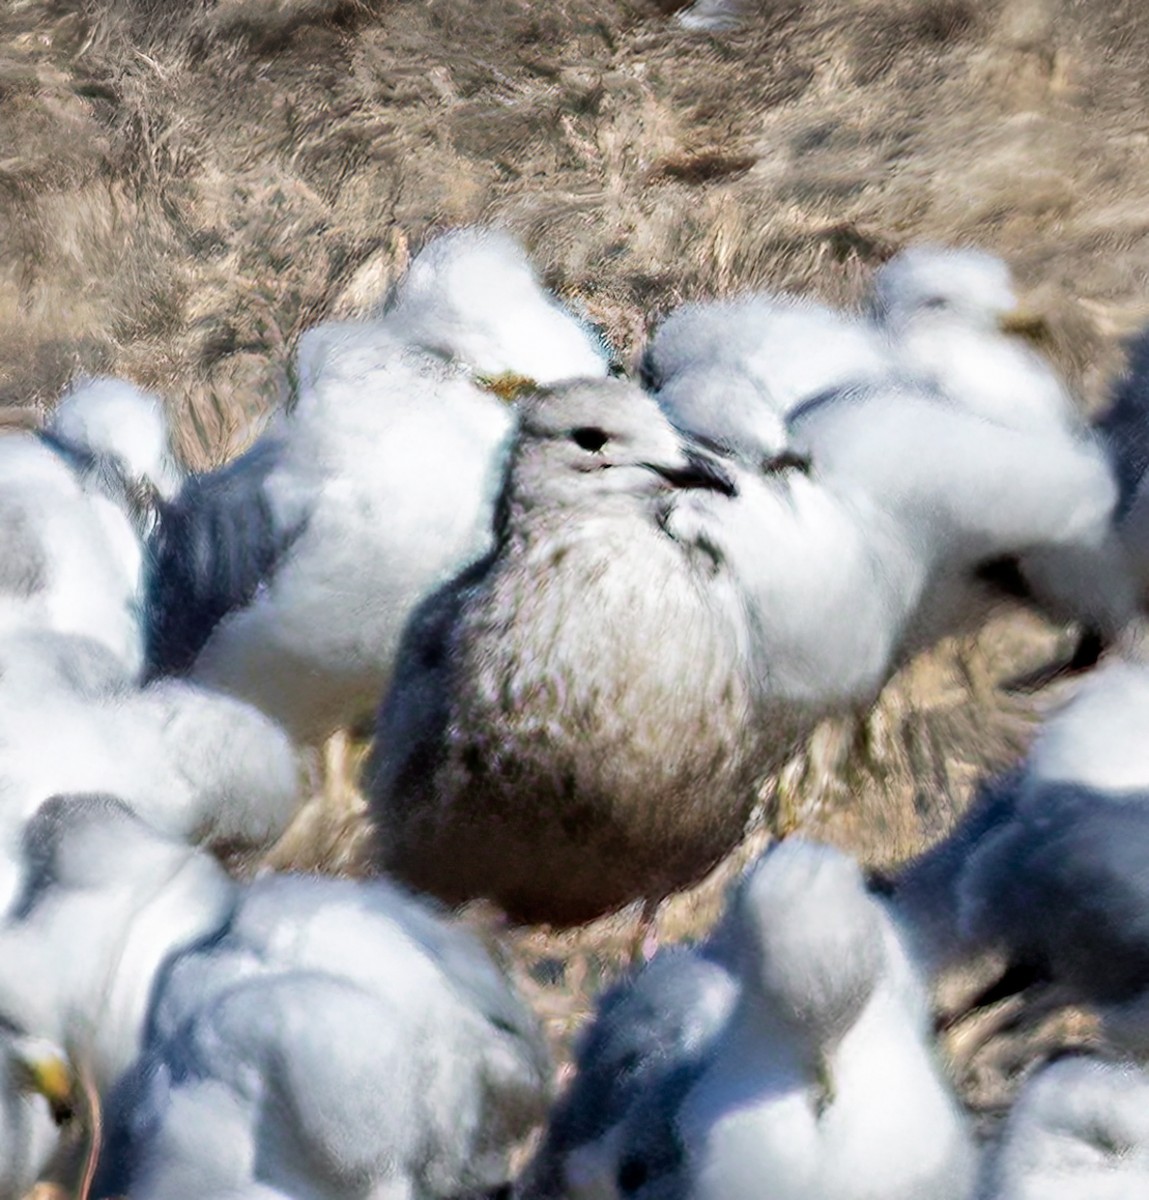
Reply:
x=411 y=724
x=1067 y=886
x=1125 y=424
x=215 y=543
x=923 y=893
x=649 y=1040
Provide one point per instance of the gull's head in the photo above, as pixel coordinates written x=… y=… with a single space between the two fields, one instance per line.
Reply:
x=474 y=295
x=726 y=409
x=1080 y=1124
x=810 y=940
x=606 y=437
x=42 y=1068
x=939 y=286
x=113 y=420
x=1098 y=739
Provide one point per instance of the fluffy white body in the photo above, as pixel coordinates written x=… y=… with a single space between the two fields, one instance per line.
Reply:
x=28 y=1134
x=377 y=528
x=105 y=904
x=947 y=315
x=64 y=565
x=472 y=295
x=907 y=497
x=340 y=1041
x=732 y=371
x=1078 y=1131
x=951 y=317
x=824 y=1084
x=116 y=422
x=792 y=1057
x=963 y=491
x=194 y=764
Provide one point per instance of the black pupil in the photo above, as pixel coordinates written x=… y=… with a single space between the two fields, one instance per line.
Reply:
x=589 y=438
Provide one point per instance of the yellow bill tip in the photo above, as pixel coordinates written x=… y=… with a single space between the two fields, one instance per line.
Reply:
x=1025 y=323
x=508 y=385
x=49 y=1074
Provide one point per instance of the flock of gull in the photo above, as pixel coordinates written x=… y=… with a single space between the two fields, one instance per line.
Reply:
x=583 y=617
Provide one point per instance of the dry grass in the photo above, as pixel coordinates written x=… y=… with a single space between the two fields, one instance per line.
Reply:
x=184 y=187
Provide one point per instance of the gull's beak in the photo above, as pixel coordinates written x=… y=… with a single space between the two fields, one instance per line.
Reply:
x=1025 y=323
x=48 y=1072
x=824 y=1092
x=787 y=460
x=508 y=386
x=699 y=471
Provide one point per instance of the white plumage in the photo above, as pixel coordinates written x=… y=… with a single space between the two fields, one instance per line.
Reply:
x=824 y=1082
x=66 y=557
x=105 y=903
x=1078 y=1131
x=815 y=1079
x=303 y=559
x=732 y=371
x=194 y=764
x=341 y=1040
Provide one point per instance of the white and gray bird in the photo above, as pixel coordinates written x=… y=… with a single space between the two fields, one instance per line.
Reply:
x=37 y=1094
x=951 y=317
x=342 y=1039
x=646 y=1044
x=539 y=672
x=538 y=745
x=104 y=906
x=973 y=500
x=822 y=1082
x=118 y=436
x=63 y=566
x=473 y=296
x=1048 y=868
x=286 y=577
x=1079 y=1130
x=731 y=371
x=194 y=764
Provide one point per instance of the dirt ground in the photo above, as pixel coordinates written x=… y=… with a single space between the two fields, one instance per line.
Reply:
x=186 y=186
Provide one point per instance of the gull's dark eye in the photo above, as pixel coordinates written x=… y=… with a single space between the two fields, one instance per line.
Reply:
x=935 y=302
x=590 y=437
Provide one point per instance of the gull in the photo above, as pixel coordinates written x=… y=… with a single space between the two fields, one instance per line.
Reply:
x=1048 y=869
x=36 y=1097
x=59 y=567
x=1078 y=1131
x=948 y=315
x=822 y=1079
x=646 y=1044
x=117 y=436
x=730 y=372
x=504 y=678
x=197 y=765
x=340 y=1039
x=105 y=904
x=967 y=495
x=474 y=296
x=303 y=559
x=569 y=727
